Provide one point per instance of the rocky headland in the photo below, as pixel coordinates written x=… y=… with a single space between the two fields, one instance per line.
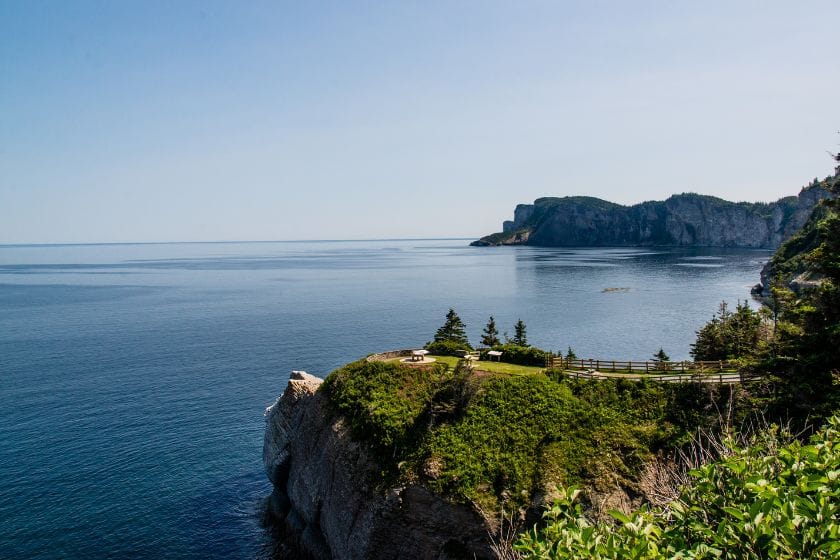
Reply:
x=681 y=220
x=327 y=498
x=385 y=459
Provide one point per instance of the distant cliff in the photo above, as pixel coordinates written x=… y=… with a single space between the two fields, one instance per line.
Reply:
x=681 y=220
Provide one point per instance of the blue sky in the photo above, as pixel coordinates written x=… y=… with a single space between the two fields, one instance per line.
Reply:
x=162 y=121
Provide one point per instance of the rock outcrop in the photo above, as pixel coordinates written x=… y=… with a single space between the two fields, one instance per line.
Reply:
x=681 y=220
x=329 y=497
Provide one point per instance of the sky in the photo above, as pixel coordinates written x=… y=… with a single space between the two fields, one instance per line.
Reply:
x=198 y=121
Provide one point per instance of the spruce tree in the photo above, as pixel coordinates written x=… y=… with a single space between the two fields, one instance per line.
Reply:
x=661 y=356
x=729 y=335
x=519 y=337
x=491 y=334
x=453 y=330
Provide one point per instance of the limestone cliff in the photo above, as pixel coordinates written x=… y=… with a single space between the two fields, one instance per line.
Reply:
x=681 y=220
x=329 y=499
x=790 y=264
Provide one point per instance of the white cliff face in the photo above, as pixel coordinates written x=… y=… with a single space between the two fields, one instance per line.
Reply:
x=328 y=493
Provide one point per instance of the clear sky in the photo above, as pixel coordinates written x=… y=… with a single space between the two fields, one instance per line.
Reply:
x=161 y=121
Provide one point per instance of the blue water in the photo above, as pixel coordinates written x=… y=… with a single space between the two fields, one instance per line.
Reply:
x=133 y=378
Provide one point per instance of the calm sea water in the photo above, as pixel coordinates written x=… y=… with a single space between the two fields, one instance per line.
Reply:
x=133 y=378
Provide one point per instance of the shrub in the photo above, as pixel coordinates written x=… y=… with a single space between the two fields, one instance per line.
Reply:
x=382 y=400
x=770 y=499
x=497 y=439
x=521 y=355
x=500 y=435
x=448 y=348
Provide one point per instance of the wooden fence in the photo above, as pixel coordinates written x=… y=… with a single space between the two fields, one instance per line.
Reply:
x=619 y=366
x=715 y=378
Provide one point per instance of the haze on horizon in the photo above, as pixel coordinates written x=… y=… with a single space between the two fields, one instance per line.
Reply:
x=191 y=121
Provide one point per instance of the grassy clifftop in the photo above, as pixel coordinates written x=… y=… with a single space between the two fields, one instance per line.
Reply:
x=505 y=440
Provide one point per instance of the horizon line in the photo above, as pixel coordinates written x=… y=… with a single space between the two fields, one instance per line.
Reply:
x=217 y=242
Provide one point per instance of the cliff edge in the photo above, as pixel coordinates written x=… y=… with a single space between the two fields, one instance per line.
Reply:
x=681 y=220
x=327 y=498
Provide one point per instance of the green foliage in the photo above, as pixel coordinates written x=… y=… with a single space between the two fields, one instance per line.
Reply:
x=765 y=500
x=383 y=400
x=661 y=356
x=570 y=354
x=548 y=202
x=729 y=335
x=520 y=434
x=520 y=337
x=453 y=330
x=791 y=259
x=496 y=442
x=522 y=355
x=500 y=438
x=501 y=238
x=448 y=348
x=802 y=357
x=490 y=338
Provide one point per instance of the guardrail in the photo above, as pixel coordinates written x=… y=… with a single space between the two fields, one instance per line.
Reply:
x=716 y=378
x=622 y=366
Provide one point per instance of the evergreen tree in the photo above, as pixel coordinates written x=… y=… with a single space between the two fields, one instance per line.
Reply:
x=806 y=336
x=491 y=334
x=520 y=338
x=661 y=356
x=570 y=354
x=729 y=335
x=453 y=330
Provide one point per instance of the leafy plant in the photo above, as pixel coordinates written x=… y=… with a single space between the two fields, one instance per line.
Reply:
x=773 y=498
x=448 y=348
x=383 y=401
x=522 y=355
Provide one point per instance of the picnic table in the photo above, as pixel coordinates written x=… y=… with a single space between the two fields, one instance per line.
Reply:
x=495 y=354
x=418 y=355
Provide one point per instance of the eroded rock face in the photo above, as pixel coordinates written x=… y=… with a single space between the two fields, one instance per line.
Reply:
x=682 y=220
x=328 y=494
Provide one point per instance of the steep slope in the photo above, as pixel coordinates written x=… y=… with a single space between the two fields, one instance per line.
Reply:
x=681 y=220
x=327 y=495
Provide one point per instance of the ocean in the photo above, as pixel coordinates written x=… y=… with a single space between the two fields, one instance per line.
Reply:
x=133 y=378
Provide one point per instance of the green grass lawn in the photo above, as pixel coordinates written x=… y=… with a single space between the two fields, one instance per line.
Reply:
x=493 y=367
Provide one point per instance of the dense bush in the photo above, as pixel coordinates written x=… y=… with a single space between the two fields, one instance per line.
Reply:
x=522 y=355
x=498 y=439
x=448 y=348
x=765 y=500
x=383 y=400
x=730 y=335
